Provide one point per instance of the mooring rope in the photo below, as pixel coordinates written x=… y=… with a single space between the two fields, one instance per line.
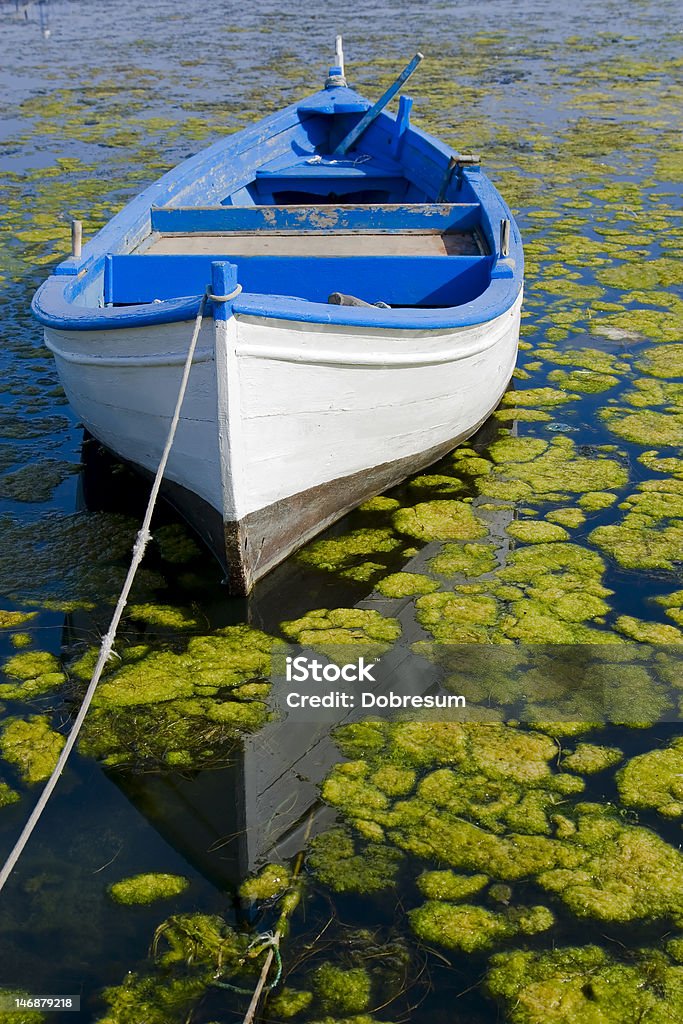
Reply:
x=139 y=547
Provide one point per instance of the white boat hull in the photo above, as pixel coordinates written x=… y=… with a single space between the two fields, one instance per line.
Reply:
x=286 y=425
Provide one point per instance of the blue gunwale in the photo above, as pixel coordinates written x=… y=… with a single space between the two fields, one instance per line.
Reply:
x=62 y=301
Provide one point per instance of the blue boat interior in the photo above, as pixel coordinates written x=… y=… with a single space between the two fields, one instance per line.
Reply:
x=396 y=219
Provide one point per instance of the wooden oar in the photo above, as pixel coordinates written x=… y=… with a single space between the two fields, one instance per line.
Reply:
x=370 y=115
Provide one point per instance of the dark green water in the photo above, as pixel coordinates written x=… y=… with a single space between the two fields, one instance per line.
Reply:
x=572 y=536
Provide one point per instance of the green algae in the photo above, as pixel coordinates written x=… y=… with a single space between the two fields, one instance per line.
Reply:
x=535 y=397
x=406 y=584
x=648 y=632
x=594 y=501
x=467 y=559
x=10 y=619
x=585 y=985
x=360 y=554
x=289 y=1002
x=650 y=535
x=569 y=517
x=670 y=465
x=184 y=708
x=175 y=544
x=470 y=928
x=168 y=617
x=439 y=520
x=536 y=533
x=342 y=865
x=268 y=884
x=21 y=1015
x=647 y=427
x=32 y=746
x=586 y=381
x=139 y=890
x=588 y=758
x=325 y=628
x=21 y=640
x=456 y=618
x=447 y=885
x=190 y=951
x=35 y=482
x=342 y=989
x=663 y=361
x=654 y=780
x=7 y=795
x=35 y=672
x=532 y=469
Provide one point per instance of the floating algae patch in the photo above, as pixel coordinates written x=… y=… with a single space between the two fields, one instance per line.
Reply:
x=536 y=533
x=650 y=535
x=360 y=554
x=457 y=618
x=168 y=617
x=586 y=985
x=647 y=427
x=594 y=501
x=447 y=885
x=467 y=559
x=659 y=464
x=20 y=1015
x=268 y=884
x=494 y=804
x=663 y=361
x=586 y=381
x=647 y=632
x=184 y=709
x=342 y=989
x=406 y=584
x=472 y=928
x=34 y=673
x=10 y=619
x=32 y=746
x=190 y=951
x=562 y=590
x=535 y=397
x=78 y=560
x=36 y=481
x=439 y=520
x=140 y=890
x=654 y=780
x=588 y=758
x=175 y=544
x=593 y=359
x=569 y=517
x=7 y=795
x=531 y=469
x=329 y=629
x=343 y=865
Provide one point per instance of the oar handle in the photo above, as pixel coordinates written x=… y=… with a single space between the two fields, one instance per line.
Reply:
x=370 y=115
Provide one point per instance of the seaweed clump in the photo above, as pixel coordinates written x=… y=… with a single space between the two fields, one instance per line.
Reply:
x=654 y=780
x=189 y=952
x=34 y=672
x=147 y=888
x=185 y=709
x=586 y=985
x=32 y=746
x=491 y=803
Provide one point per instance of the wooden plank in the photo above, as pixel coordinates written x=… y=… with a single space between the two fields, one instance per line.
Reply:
x=374 y=218
x=301 y=243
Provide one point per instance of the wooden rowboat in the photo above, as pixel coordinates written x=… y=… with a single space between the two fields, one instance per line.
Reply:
x=366 y=287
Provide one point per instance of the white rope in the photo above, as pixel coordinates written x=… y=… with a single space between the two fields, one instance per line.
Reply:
x=139 y=547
